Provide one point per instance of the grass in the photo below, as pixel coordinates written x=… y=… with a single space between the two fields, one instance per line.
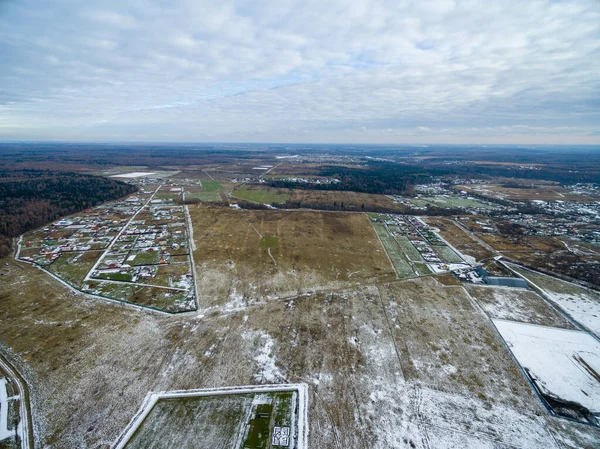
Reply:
x=122 y=351
x=145 y=258
x=447 y=254
x=268 y=241
x=260 y=195
x=211 y=186
x=125 y=277
x=74 y=272
x=258 y=433
x=422 y=269
x=408 y=248
x=401 y=265
x=314 y=249
x=283 y=405
x=164 y=272
x=210 y=421
x=213 y=197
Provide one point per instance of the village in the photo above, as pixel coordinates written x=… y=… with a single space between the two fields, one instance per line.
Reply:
x=135 y=250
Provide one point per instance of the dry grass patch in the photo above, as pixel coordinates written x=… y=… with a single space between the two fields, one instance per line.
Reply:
x=314 y=250
x=458 y=238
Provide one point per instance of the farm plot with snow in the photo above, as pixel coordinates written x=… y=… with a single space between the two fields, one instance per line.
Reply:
x=517 y=304
x=388 y=364
x=563 y=364
x=579 y=302
x=219 y=419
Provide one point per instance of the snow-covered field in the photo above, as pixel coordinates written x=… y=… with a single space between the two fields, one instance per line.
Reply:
x=580 y=303
x=212 y=416
x=584 y=307
x=563 y=363
x=137 y=174
x=518 y=304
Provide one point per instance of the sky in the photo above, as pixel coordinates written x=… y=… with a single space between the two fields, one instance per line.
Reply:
x=352 y=71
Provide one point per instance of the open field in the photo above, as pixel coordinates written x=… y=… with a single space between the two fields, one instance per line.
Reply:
x=563 y=364
x=213 y=197
x=260 y=194
x=244 y=255
x=211 y=186
x=581 y=303
x=343 y=199
x=420 y=351
x=517 y=304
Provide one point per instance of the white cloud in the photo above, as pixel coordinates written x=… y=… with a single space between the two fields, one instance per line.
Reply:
x=145 y=70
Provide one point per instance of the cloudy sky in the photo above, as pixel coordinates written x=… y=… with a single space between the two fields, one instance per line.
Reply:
x=371 y=71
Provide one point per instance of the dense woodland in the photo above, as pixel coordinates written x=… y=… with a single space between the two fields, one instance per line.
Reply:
x=379 y=178
x=32 y=198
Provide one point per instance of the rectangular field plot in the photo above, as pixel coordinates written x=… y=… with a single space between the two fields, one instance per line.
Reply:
x=245 y=420
x=211 y=186
x=213 y=197
x=517 y=305
x=579 y=302
x=408 y=248
x=447 y=254
x=564 y=365
x=258 y=254
x=394 y=251
x=260 y=194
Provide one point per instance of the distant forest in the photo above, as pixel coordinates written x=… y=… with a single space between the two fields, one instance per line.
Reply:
x=31 y=198
x=379 y=178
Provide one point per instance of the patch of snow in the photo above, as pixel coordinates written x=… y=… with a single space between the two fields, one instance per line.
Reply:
x=584 y=308
x=556 y=359
x=267 y=369
x=136 y=174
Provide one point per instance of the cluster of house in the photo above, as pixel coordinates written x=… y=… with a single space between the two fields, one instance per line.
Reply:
x=294 y=179
x=419 y=234
x=440 y=194
x=92 y=231
x=556 y=227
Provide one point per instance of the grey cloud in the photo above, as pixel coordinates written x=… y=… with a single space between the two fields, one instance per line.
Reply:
x=290 y=70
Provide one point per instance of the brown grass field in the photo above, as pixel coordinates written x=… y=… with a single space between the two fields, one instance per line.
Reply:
x=457 y=238
x=389 y=364
x=268 y=253
x=407 y=365
x=523 y=243
x=350 y=200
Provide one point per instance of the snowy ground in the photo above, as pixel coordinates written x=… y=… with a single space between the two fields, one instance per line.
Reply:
x=564 y=363
x=518 y=304
x=209 y=418
x=580 y=303
x=410 y=364
x=133 y=175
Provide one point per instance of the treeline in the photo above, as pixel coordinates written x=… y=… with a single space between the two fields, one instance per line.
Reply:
x=31 y=198
x=379 y=178
x=561 y=174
